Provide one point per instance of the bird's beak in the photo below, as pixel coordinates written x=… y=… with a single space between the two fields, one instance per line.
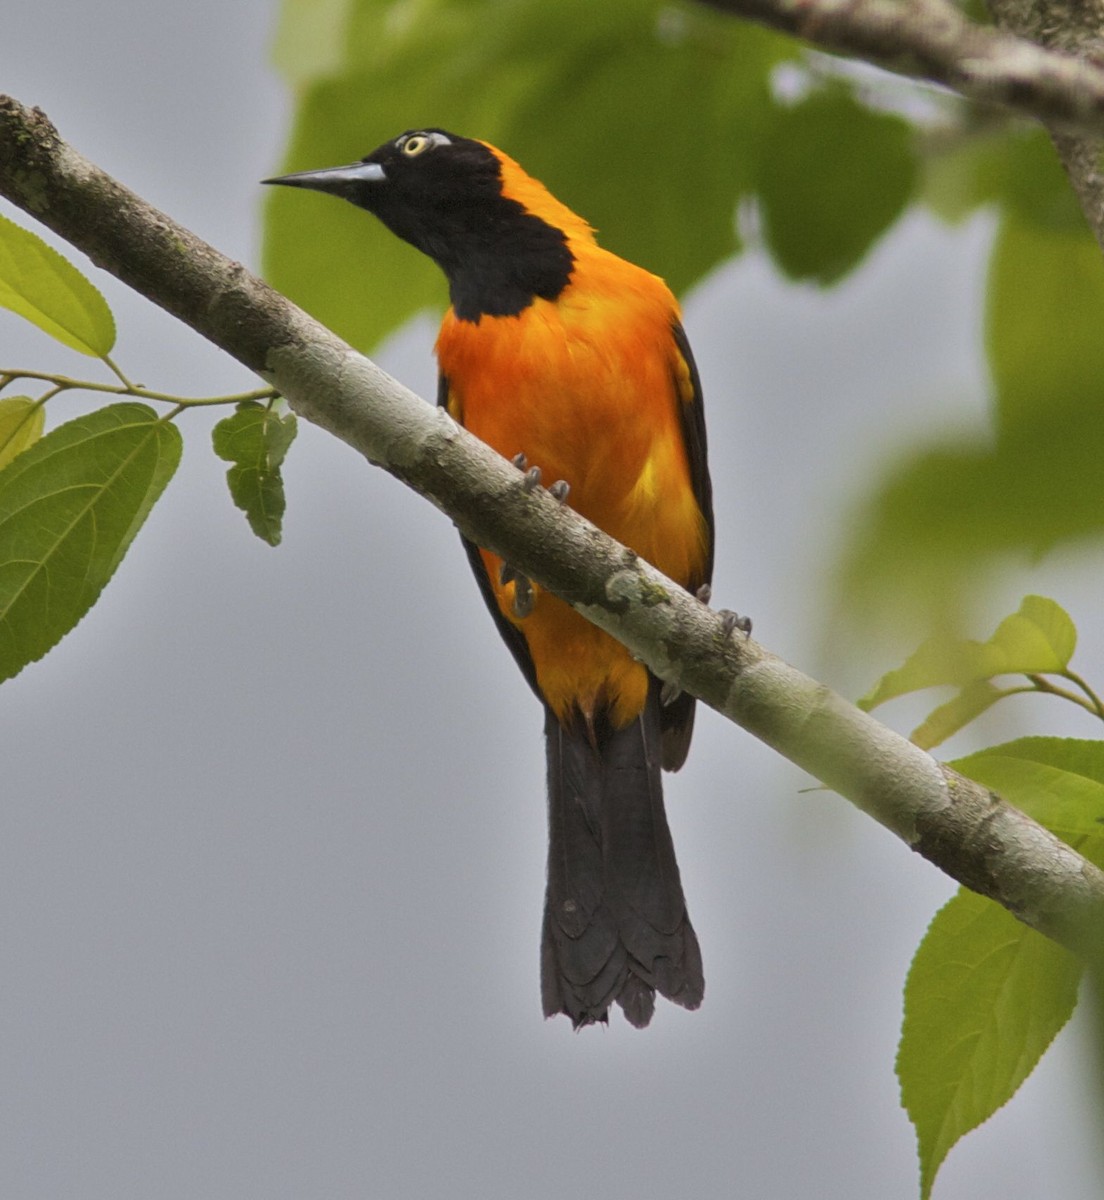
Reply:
x=338 y=180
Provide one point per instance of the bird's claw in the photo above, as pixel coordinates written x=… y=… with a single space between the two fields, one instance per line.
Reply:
x=520 y=461
x=559 y=491
x=532 y=480
x=731 y=621
x=669 y=693
x=704 y=593
x=523 y=597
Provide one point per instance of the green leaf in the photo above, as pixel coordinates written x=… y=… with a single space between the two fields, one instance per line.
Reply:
x=69 y=508
x=38 y=283
x=256 y=439
x=1037 y=639
x=1058 y=781
x=943 y=659
x=963 y=174
x=311 y=38
x=835 y=176
x=974 y=699
x=1036 y=188
x=644 y=116
x=1015 y=166
x=1046 y=310
x=985 y=997
x=944 y=517
x=21 y=423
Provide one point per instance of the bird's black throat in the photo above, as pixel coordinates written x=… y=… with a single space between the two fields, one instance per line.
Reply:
x=498 y=258
x=527 y=259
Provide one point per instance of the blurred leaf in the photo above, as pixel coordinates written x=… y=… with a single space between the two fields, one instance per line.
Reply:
x=977 y=11
x=256 y=439
x=947 y=719
x=1009 y=164
x=984 y=999
x=310 y=38
x=1035 y=186
x=943 y=659
x=69 y=508
x=1043 y=328
x=963 y=173
x=937 y=523
x=21 y=423
x=46 y=289
x=1039 y=638
x=941 y=519
x=644 y=116
x=835 y=176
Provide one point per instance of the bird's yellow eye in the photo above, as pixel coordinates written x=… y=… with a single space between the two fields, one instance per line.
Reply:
x=415 y=144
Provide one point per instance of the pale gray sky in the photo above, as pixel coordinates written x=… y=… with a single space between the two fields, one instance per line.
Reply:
x=272 y=830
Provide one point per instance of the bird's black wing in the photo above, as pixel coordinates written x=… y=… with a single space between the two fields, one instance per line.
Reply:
x=511 y=635
x=677 y=719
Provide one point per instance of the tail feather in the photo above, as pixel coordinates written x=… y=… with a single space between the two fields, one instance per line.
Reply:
x=615 y=923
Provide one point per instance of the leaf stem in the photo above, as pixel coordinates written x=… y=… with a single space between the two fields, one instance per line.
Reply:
x=1041 y=684
x=1094 y=699
x=63 y=383
x=117 y=371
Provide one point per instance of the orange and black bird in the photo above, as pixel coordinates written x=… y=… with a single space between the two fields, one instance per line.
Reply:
x=559 y=354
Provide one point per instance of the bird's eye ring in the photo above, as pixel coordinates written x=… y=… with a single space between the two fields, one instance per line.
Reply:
x=416 y=144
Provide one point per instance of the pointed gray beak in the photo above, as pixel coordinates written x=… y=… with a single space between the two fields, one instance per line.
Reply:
x=338 y=180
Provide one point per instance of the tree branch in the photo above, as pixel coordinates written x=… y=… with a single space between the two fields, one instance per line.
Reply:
x=933 y=40
x=1076 y=29
x=968 y=832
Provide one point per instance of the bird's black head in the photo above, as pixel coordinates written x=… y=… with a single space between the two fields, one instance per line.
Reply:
x=445 y=195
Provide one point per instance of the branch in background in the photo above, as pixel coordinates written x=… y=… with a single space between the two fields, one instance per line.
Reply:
x=933 y=40
x=1075 y=30
x=971 y=834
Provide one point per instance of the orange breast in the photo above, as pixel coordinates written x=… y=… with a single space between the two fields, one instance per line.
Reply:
x=586 y=387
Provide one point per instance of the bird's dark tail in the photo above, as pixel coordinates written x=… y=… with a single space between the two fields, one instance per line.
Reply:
x=615 y=922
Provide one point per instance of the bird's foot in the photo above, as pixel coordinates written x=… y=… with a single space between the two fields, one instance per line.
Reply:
x=523 y=597
x=730 y=622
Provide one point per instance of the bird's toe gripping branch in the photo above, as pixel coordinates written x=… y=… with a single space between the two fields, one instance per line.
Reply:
x=730 y=622
x=524 y=596
x=558 y=490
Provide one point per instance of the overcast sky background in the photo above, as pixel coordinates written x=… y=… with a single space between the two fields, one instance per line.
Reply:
x=272 y=832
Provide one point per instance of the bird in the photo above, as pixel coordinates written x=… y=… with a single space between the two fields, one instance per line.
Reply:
x=572 y=362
